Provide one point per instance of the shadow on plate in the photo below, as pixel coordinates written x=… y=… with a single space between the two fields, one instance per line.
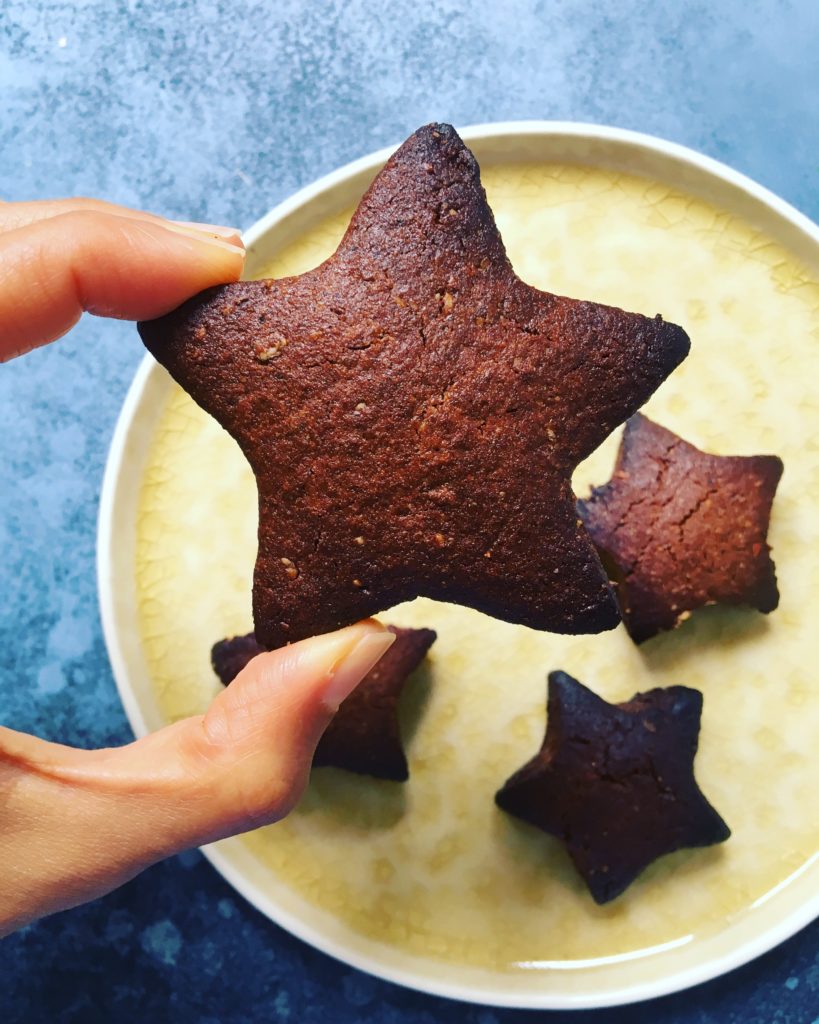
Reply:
x=353 y=803
x=413 y=704
x=714 y=626
x=535 y=858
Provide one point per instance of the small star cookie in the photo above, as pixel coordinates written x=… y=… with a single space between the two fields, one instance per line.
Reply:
x=679 y=528
x=615 y=782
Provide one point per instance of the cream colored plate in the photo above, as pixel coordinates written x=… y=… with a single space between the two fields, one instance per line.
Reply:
x=428 y=884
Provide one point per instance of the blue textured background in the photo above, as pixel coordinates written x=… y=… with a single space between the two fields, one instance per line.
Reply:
x=216 y=110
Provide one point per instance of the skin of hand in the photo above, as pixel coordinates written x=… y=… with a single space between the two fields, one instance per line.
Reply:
x=75 y=824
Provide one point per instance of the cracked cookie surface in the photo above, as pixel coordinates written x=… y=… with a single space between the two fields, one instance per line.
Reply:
x=413 y=411
x=615 y=782
x=679 y=528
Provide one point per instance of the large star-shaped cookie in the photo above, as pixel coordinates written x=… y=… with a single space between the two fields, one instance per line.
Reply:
x=680 y=528
x=413 y=411
x=364 y=736
x=615 y=782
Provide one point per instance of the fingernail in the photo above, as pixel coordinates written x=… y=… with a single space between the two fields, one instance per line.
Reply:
x=209 y=229
x=344 y=658
x=349 y=672
x=204 y=236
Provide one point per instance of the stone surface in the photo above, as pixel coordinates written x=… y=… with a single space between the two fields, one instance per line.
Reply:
x=187 y=109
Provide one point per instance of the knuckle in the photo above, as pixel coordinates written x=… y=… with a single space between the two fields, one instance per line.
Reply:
x=250 y=791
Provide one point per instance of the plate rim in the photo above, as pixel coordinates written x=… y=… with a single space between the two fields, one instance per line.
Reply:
x=667 y=983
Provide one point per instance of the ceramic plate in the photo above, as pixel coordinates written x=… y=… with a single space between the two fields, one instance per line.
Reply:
x=428 y=884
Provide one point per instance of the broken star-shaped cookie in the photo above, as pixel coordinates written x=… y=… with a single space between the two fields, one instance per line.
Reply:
x=413 y=411
x=364 y=736
x=679 y=528
x=615 y=782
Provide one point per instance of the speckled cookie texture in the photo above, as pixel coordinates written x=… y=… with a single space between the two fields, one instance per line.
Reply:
x=615 y=782
x=365 y=734
x=680 y=528
x=413 y=411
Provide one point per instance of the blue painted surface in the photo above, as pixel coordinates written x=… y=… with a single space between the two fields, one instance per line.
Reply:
x=216 y=110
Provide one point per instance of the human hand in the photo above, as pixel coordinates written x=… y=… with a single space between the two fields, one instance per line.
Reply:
x=74 y=824
x=60 y=258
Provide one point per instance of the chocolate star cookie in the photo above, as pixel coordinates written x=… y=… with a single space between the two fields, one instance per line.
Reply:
x=230 y=656
x=615 y=782
x=413 y=411
x=364 y=735
x=680 y=529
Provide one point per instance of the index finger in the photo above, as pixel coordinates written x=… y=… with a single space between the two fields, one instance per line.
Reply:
x=20 y=215
x=54 y=268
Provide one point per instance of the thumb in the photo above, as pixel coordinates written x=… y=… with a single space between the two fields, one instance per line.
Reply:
x=247 y=760
x=75 y=824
